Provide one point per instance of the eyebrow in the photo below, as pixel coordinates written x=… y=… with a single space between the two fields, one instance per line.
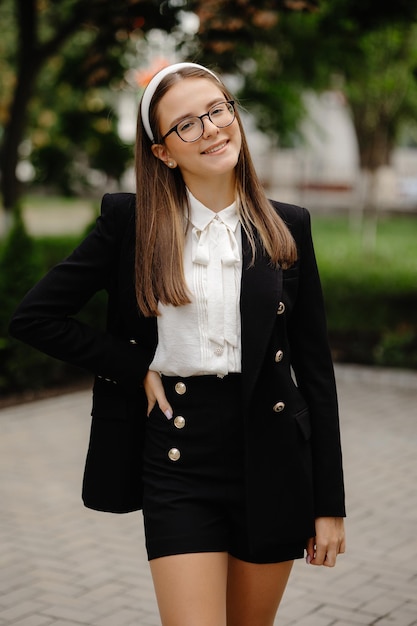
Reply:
x=185 y=115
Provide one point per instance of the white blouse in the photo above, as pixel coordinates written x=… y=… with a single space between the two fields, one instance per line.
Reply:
x=203 y=337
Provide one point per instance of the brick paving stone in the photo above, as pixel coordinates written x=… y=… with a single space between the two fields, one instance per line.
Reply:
x=18 y=595
x=64 y=565
x=74 y=612
x=61 y=622
x=298 y=609
x=123 y=617
x=384 y=604
x=314 y=619
x=33 y=620
x=56 y=588
x=351 y=622
x=337 y=613
x=399 y=619
x=23 y=609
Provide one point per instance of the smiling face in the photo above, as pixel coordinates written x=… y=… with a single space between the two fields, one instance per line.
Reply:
x=215 y=154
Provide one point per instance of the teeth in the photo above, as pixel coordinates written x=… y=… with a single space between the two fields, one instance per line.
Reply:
x=216 y=149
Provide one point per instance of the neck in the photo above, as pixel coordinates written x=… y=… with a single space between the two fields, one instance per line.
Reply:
x=214 y=194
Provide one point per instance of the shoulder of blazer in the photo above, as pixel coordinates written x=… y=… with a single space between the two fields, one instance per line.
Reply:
x=297 y=218
x=120 y=205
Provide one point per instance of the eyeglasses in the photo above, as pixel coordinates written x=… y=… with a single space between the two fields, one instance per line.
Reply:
x=190 y=129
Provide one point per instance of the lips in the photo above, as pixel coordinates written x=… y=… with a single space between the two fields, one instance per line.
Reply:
x=215 y=148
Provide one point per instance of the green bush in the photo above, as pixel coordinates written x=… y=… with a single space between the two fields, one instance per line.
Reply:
x=23 y=261
x=19 y=269
x=371 y=295
x=397 y=348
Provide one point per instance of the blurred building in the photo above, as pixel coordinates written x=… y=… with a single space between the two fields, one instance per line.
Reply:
x=323 y=172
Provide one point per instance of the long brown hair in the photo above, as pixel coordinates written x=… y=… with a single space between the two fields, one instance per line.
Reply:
x=161 y=222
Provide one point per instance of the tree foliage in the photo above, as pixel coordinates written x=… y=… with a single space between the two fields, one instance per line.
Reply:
x=57 y=59
x=229 y=29
x=373 y=55
x=368 y=52
x=98 y=29
x=61 y=51
x=383 y=93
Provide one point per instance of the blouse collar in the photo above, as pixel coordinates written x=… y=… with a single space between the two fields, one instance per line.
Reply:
x=201 y=216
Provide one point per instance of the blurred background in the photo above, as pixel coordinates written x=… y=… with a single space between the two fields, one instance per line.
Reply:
x=328 y=91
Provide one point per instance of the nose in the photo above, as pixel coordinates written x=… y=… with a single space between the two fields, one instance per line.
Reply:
x=210 y=128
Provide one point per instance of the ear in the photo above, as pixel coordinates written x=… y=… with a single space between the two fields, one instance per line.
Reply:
x=160 y=152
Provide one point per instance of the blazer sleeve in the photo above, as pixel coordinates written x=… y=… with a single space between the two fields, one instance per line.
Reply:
x=45 y=317
x=313 y=368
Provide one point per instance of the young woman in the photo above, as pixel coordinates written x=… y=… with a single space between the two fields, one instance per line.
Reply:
x=214 y=404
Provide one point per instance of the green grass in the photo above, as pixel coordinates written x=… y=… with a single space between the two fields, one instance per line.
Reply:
x=55 y=249
x=370 y=292
x=391 y=266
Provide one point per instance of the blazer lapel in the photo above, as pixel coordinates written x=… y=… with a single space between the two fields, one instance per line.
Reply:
x=261 y=292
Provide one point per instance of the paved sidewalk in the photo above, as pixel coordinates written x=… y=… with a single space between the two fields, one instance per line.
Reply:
x=63 y=565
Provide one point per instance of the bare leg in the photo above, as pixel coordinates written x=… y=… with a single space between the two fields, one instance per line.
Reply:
x=255 y=591
x=191 y=588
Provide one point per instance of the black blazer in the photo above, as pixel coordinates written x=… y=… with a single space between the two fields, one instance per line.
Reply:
x=292 y=454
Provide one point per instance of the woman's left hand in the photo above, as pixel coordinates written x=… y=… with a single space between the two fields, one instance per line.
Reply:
x=328 y=542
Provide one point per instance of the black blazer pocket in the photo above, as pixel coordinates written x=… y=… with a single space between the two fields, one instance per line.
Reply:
x=157 y=413
x=112 y=402
x=109 y=407
x=304 y=423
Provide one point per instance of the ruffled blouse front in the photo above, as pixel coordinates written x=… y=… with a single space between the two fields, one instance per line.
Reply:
x=203 y=337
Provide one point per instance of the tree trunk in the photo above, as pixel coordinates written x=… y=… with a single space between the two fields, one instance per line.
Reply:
x=13 y=135
x=375 y=148
x=375 y=144
x=28 y=67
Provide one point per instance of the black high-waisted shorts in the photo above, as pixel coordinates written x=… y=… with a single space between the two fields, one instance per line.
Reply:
x=193 y=474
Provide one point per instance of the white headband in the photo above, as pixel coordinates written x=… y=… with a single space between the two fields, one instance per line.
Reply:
x=153 y=85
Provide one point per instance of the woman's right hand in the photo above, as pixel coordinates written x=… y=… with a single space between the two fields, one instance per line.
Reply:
x=155 y=393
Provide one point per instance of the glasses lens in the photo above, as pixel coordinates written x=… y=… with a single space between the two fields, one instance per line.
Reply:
x=222 y=114
x=190 y=129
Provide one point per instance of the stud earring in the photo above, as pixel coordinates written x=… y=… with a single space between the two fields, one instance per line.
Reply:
x=170 y=163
